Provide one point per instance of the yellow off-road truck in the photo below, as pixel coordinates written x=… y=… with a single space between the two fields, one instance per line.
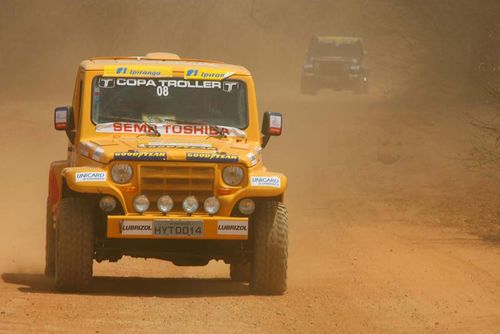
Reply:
x=165 y=161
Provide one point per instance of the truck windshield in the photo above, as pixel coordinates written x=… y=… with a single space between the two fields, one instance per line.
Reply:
x=168 y=100
x=350 y=50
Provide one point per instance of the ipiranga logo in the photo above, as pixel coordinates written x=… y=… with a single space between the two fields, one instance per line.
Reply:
x=206 y=74
x=137 y=71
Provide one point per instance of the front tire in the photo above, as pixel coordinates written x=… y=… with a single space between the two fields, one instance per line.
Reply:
x=74 y=245
x=270 y=236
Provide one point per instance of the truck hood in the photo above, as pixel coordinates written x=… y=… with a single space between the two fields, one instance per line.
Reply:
x=185 y=148
x=336 y=59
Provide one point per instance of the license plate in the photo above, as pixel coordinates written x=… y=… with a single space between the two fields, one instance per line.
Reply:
x=178 y=228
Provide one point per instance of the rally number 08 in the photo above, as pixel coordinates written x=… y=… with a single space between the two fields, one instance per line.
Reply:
x=162 y=91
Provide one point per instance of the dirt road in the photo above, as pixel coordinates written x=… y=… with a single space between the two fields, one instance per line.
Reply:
x=373 y=187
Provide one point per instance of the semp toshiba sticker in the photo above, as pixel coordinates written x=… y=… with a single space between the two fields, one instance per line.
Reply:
x=90 y=177
x=229 y=227
x=265 y=181
x=169 y=129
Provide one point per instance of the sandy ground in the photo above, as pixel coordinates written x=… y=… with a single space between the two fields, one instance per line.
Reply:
x=379 y=199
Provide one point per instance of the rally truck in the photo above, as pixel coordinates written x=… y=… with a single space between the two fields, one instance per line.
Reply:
x=335 y=62
x=164 y=161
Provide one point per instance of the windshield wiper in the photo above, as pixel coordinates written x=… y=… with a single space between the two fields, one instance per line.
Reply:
x=150 y=126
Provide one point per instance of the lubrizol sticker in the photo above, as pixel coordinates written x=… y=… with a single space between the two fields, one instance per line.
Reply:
x=265 y=181
x=90 y=177
x=133 y=227
x=229 y=227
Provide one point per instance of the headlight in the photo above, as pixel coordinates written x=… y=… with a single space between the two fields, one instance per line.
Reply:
x=141 y=203
x=107 y=203
x=232 y=175
x=165 y=203
x=247 y=206
x=211 y=205
x=190 y=204
x=121 y=173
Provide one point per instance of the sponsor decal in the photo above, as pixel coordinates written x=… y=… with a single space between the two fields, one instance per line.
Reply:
x=229 y=86
x=90 y=177
x=265 y=181
x=167 y=129
x=206 y=74
x=137 y=71
x=130 y=227
x=106 y=83
x=211 y=157
x=166 y=83
x=122 y=127
x=195 y=130
x=229 y=227
x=177 y=145
x=141 y=156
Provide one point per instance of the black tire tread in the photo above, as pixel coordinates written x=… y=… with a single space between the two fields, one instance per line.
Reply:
x=269 y=269
x=75 y=245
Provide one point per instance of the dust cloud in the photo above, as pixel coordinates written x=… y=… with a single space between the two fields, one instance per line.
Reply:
x=409 y=45
x=392 y=156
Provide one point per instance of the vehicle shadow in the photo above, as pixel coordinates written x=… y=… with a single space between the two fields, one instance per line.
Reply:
x=136 y=286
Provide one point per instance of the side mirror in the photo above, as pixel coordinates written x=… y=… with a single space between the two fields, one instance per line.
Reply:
x=272 y=125
x=61 y=118
x=64 y=120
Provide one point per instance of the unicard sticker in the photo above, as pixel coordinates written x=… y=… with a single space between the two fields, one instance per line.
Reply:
x=265 y=181
x=90 y=177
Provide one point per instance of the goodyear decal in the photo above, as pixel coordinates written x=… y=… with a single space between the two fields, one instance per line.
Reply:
x=141 y=156
x=211 y=157
x=206 y=74
x=137 y=71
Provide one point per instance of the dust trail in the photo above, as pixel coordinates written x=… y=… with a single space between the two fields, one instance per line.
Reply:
x=43 y=41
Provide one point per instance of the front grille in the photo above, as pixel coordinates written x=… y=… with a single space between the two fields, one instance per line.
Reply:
x=331 y=67
x=177 y=181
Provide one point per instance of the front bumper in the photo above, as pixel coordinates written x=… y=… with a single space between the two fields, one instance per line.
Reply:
x=172 y=226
